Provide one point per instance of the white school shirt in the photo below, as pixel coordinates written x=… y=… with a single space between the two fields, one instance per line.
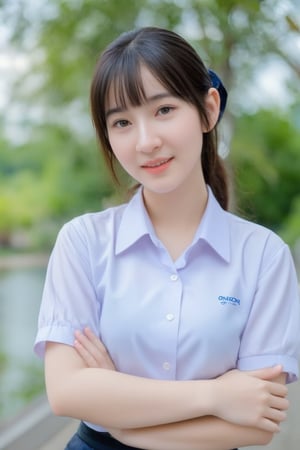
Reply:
x=229 y=301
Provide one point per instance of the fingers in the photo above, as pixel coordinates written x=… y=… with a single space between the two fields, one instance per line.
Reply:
x=276 y=415
x=270 y=417
x=278 y=389
x=85 y=355
x=86 y=349
x=94 y=339
x=271 y=421
x=254 y=399
x=269 y=425
x=280 y=403
x=275 y=412
x=91 y=350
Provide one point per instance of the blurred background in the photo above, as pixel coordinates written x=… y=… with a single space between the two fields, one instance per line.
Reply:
x=51 y=168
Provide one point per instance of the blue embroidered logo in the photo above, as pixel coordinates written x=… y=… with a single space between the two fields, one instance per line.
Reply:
x=231 y=300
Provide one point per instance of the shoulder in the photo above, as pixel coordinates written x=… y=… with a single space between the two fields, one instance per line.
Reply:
x=249 y=230
x=255 y=239
x=89 y=228
x=243 y=239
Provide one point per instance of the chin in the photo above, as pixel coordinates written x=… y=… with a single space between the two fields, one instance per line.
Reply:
x=160 y=190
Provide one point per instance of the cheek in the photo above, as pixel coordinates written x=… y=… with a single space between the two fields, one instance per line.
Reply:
x=118 y=145
x=195 y=132
x=122 y=151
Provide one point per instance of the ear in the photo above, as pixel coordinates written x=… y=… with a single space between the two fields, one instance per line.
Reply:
x=212 y=104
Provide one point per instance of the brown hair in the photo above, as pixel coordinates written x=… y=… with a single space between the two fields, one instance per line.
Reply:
x=178 y=67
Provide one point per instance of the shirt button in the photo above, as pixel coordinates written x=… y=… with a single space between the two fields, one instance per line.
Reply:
x=174 y=277
x=170 y=317
x=166 y=366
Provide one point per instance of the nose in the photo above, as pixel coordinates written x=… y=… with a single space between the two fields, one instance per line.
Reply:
x=148 y=140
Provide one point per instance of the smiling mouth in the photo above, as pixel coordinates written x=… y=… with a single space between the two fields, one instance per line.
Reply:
x=156 y=163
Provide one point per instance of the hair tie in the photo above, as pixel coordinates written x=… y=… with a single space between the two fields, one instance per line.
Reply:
x=217 y=83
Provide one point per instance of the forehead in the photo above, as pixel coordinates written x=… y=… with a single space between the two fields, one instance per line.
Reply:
x=134 y=90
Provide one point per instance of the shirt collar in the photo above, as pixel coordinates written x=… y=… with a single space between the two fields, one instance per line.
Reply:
x=214 y=226
x=134 y=224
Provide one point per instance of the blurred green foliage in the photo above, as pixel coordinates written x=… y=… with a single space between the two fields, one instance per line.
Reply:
x=31 y=385
x=56 y=172
x=265 y=159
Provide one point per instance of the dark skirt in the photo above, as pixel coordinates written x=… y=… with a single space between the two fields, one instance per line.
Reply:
x=88 y=439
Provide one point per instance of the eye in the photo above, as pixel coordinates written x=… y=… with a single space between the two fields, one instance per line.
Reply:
x=165 y=110
x=122 y=123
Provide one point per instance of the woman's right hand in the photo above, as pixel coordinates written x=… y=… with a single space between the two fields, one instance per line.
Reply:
x=251 y=398
x=91 y=350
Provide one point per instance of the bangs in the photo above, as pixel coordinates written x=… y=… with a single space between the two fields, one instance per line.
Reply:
x=118 y=75
x=126 y=84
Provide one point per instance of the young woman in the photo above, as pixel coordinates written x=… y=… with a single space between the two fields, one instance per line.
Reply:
x=167 y=322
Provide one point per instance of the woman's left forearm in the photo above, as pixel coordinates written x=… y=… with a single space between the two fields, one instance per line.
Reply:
x=205 y=433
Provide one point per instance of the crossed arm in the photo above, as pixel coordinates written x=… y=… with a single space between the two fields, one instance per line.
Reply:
x=236 y=409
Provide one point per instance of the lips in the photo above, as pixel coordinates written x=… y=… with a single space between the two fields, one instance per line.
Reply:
x=156 y=162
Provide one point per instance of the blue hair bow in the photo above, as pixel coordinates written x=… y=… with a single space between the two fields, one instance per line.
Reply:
x=217 y=83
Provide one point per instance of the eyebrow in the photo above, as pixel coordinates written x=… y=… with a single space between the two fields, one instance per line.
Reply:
x=153 y=98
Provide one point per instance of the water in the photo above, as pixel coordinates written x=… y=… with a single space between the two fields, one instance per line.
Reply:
x=21 y=372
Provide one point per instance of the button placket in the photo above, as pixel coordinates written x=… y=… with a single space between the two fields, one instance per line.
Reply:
x=170 y=317
x=166 y=366
x=174 y=277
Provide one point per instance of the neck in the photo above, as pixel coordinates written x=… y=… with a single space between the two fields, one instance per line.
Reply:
x=180 y=208
x=176 y=216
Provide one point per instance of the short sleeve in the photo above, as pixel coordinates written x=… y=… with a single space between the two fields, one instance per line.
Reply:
x=272 y=333
x=69 y=301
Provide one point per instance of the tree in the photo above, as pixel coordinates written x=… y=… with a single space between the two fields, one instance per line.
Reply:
x=56 y=171
x=63 y=39
x=266 y=164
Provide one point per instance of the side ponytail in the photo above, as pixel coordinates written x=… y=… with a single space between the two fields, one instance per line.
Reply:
x=213 y=167
x=214 y=171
